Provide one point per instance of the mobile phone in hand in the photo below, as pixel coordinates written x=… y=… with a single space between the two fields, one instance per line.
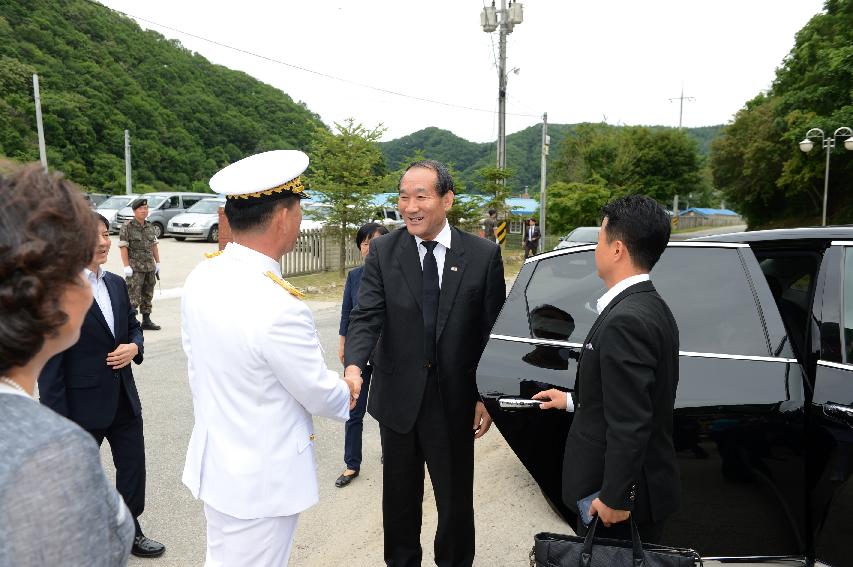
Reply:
x=584 y=506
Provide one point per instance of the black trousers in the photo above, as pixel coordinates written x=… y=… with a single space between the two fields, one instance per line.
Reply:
x=450 y=461
x=128 y=448
x=649 y=532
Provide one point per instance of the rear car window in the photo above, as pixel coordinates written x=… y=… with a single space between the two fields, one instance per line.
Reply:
x=706 y=289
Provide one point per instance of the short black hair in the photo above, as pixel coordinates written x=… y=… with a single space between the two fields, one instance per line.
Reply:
x=367 y=231
x=138 y=203
x=246 y=214
x=101 y=218
x=642 y=224
x=492 y=212
x=444 y=181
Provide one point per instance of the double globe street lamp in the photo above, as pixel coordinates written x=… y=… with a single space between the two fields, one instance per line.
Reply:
x=828 y=143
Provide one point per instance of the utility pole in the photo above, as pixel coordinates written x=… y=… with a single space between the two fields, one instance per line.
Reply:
x=509 y=18
x=502 y=88
x=546 y=142
x=128 y=188
x=681 y=100
x=39 y=126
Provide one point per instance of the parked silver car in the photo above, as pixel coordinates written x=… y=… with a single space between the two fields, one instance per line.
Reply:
x=200 y=221
x=578 y=237
x=162 y=207
x=112 y=206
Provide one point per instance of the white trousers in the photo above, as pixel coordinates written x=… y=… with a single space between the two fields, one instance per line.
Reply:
x=232 y=542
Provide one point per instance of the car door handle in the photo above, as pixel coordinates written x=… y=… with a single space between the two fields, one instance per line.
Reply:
x=838 y=407
x=511 y=402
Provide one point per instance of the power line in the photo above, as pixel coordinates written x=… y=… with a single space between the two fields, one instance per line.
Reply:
x=307 y=70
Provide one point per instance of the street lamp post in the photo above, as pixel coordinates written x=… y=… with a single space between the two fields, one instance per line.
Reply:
x=828 y=143
x=509 y=18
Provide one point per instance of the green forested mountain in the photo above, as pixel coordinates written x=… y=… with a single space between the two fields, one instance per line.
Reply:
x=100 y=74
x=757 y=162
x=523 y=151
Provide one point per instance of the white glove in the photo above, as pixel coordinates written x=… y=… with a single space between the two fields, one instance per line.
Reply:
x=128 y=271
x=157 y=268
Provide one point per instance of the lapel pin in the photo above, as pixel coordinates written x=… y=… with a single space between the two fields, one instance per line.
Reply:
x=454 y=269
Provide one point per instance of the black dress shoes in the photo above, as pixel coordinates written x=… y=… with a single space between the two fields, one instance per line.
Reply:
x=345 y=479
x=146 y=547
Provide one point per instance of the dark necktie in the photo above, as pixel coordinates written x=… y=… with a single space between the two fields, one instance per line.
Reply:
x=431 y=293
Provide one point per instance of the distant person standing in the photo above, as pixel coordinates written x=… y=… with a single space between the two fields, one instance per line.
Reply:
x=490 y=225
x=355 y=423
x=141 y=258
x=531 y=238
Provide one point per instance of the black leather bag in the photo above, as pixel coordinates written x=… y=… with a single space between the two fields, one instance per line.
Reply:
x=555 y=550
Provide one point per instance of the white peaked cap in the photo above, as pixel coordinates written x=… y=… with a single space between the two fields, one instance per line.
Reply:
x=262 y=175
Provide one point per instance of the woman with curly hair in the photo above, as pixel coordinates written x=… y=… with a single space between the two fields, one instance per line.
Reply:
x=56 y=505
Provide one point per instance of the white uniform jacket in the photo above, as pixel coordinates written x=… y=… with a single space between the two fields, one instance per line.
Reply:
x=257 y=375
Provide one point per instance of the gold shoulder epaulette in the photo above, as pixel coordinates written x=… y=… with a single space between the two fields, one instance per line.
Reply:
x=295 y=292
x=213 y=254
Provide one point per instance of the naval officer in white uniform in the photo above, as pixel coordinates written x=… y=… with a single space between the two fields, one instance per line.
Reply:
x=256 y=371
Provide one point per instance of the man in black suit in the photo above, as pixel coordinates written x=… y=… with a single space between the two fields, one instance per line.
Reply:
x=531 y=237
x=620 y=443
x=92 y=383
x=428 y=299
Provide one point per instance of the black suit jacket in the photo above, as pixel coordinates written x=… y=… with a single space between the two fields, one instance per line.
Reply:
x=77 y=383
x=536 y=234
x=388 y=318
x=620 y=441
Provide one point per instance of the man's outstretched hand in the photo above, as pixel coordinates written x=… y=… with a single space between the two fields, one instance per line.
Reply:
x=352 y=376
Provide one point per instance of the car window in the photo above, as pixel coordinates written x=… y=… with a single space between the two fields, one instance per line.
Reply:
x=116 y=202
x=206 y=206
x=847 y=302
x=712 y=301
x=706 y=289
x=588 y=234
x=558 y=302
x=155 y=201
x=190 y=201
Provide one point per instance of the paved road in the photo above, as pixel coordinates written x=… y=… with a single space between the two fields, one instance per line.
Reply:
x=345 y=528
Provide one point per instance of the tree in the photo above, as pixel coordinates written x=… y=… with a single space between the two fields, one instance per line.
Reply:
x=493 y=184
x=756 y=162
x=346 y=171
x=575 y=204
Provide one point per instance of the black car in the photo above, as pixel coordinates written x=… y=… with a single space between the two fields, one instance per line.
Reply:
x=764 y=410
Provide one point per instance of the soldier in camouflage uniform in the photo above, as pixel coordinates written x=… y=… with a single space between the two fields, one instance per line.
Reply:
x=141 y=259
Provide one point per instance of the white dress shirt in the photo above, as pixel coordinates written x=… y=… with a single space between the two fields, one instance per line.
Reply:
x=621 y=286
x=440 y=251
x=102 y=296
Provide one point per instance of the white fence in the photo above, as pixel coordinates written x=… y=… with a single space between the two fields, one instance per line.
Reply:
x=315 y=251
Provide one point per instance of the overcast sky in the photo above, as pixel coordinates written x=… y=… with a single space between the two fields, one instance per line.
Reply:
x=614 y=60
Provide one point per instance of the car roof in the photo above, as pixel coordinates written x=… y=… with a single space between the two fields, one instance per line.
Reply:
x=819 y=233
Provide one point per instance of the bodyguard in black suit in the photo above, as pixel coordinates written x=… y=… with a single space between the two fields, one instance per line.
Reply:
x=92 y=384
x=428 y=299
x=620 y=443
